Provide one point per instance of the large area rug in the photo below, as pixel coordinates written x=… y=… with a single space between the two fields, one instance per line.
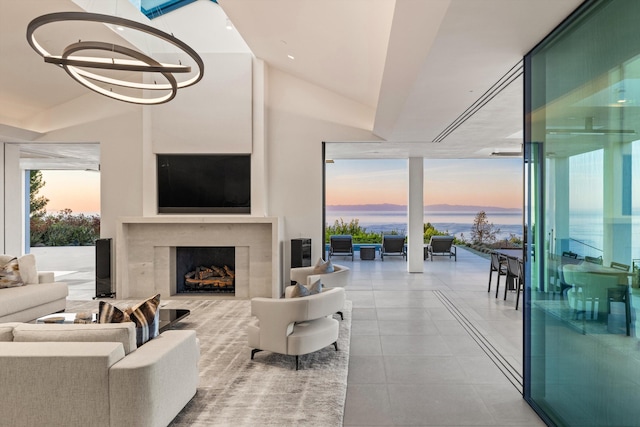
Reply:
x=267 y=391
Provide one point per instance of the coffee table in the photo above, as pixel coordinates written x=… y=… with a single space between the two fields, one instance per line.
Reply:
x=171 y=316
x=60 y=318
x=168 y=317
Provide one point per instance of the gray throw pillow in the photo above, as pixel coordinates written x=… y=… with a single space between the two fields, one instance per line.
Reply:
x=323 y=267
x=301 y=290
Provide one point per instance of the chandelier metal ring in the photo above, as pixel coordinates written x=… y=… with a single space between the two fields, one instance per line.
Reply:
x=144 y=63
x=111 y=63
x=84 y=77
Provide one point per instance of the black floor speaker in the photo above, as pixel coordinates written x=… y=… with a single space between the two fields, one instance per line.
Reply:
x=300 y=252
x=104 y=284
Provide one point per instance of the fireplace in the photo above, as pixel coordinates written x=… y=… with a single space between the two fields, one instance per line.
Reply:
x=146 y=253
x=205 y=270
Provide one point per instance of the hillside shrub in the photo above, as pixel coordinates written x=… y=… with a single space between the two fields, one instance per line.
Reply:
x=361 y=235
x=64 y=229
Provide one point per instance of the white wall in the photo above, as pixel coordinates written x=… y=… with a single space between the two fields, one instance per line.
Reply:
x=300 y=116
x=213 y=116
x=121 y=166
x=3 y=203
x=14 y=213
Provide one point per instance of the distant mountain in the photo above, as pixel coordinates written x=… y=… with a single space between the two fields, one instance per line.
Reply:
x=375 y=207
x=469 y=208
x=388 y=207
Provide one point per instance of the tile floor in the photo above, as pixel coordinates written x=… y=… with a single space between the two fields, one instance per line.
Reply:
x=431 y=349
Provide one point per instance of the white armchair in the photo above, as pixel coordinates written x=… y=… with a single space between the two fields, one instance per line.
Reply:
x=295 y=326
x=338 y=278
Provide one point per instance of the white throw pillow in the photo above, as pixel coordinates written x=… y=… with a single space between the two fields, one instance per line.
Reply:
x=28 y=271
x=10 y=274
x=4 y=258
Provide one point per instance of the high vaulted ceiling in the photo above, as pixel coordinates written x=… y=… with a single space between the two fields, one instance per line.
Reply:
x=418 y=64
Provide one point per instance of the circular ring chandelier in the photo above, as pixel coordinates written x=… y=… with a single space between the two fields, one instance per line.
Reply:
x=76 y=66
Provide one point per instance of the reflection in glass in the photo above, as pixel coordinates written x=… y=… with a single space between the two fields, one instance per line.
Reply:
x=582 y=364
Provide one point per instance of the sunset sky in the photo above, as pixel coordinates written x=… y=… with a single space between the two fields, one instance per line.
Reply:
x=486 y=182
x=75 y=190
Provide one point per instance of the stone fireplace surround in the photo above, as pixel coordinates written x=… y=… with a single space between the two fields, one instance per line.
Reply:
x=146 y=246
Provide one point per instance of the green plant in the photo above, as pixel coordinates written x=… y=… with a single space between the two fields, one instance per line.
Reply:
x=430 y=230
x=37 y=204
x=353 y=228
x=64 y=229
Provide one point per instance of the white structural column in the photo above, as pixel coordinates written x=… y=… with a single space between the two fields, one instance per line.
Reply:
x=617 y=194
x=14 y=201
x=415 y=245
x=558 y=205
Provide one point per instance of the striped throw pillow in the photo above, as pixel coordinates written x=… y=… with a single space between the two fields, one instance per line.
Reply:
x=145 y=315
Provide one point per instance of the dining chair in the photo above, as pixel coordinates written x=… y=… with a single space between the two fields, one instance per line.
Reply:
x=499 y=265
x=619 y=294
x=520 y=281
x=593 y=260
x=513 y=276
x=590 y=289
x=619 y=266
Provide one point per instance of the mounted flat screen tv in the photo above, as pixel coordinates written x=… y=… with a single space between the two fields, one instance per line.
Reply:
x=204 y=183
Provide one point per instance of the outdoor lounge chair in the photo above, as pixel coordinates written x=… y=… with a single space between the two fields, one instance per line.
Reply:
x=393 y=245
x=442 y=245
x=341 y=245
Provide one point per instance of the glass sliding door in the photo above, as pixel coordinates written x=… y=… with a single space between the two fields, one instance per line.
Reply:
x=582 y=136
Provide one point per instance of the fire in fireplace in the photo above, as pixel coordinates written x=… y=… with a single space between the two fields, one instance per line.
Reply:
x=205 y=270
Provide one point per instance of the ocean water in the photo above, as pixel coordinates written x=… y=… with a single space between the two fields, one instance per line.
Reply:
x=455 y=223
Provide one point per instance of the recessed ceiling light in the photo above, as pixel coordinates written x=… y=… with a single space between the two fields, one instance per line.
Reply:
x=119 y=28
x=291 y=57
x=229 y=25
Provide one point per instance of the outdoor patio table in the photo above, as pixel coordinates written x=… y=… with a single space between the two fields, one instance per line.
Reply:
x=367 y=252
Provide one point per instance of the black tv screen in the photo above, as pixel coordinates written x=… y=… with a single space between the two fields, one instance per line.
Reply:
x=204 y=183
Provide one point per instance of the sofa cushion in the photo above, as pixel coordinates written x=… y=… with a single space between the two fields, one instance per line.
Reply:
x=323 y=267
x=10 y=273
x=6 y=331
x=14 y=300
x=145 y=315
x=302 y=290
x=123 y=333
x=28 y=269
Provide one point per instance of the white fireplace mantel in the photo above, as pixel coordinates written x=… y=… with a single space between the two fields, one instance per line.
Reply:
x=144 y=248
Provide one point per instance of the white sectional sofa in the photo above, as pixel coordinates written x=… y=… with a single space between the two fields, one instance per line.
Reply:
x=41 y=294
x=93 y=375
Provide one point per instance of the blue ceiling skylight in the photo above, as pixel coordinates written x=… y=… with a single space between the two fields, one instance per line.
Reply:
x=155 y=8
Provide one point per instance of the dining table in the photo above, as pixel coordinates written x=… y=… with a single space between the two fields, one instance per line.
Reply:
x=511 y=253
x=592 y=268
